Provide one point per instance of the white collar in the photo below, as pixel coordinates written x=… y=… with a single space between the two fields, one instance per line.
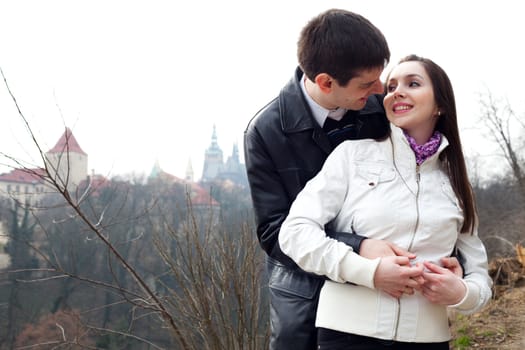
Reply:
x=320 y=113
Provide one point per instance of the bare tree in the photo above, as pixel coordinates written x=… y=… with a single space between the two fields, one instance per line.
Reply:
x=179 y=284
x=501 y=202
x=507 y=130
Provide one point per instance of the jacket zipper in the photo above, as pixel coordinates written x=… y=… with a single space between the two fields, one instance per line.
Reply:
x=418 y=177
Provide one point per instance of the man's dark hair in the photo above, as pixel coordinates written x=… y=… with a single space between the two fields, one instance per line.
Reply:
x=341 y=43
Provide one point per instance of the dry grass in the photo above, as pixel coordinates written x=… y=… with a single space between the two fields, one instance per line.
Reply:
x=501 y=324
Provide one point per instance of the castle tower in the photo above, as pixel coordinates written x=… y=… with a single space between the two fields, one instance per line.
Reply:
x=156 y=170
x=233 y=169
x=213 y=160
x=189 y=172
x=67 y=162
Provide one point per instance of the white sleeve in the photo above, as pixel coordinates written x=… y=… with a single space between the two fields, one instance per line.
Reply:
x=477 y=279
x=302 y=235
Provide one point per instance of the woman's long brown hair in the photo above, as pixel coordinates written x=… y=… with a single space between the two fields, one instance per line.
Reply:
x=448 y=125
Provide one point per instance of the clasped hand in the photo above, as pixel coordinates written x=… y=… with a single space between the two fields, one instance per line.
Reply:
x=397 y=275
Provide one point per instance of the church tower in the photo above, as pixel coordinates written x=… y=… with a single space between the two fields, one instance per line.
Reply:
x=189 y=172
x=213 y=160
x=67 y=162
x=233 y=169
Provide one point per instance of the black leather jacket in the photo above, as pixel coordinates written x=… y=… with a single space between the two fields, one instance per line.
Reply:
x=284 y=148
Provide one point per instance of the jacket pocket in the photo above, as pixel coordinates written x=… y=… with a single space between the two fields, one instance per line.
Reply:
x=373 y=174
x=293 y=281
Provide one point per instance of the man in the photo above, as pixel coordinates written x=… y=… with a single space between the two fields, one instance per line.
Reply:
x=333 y=96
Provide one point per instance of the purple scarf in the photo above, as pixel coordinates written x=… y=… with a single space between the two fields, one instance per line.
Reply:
x=422 y=152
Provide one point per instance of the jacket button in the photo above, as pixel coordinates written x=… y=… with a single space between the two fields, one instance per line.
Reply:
x=371 y=184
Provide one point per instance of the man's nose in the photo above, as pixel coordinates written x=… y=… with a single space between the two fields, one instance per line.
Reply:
x=377 y=88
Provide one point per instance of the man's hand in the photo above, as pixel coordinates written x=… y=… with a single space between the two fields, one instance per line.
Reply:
x=375 y=248
x=395 y=276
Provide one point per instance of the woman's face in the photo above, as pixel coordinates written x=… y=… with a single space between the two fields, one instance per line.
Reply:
x=409 y=100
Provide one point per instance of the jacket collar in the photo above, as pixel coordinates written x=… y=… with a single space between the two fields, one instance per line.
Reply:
x=405 y=154
x=295 y=114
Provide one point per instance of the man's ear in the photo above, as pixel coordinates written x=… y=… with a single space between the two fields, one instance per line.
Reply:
x=324 y=82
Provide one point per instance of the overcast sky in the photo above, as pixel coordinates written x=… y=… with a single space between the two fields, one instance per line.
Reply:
x=140 y=81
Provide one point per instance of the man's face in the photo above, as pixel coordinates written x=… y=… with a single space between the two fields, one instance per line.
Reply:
x=354 y=95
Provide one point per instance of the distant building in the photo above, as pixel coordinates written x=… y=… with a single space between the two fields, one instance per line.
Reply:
x=216 y=170
x=233 y=169
x=189 y=172
x=205 y=208
x=198 y=195
x=66 y=162
x=23 y=185
x=213 y=160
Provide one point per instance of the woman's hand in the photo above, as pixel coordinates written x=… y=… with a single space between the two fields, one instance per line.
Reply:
x=452 y=263
x=442 y=286
x=395 y=276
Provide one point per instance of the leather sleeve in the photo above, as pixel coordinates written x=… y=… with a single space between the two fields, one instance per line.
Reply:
x=351 y=239
x=271 y=201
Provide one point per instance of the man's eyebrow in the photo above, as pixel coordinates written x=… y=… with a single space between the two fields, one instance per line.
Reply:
x=369 y=83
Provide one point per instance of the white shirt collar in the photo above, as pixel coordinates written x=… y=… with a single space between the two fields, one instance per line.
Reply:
x=320 y=113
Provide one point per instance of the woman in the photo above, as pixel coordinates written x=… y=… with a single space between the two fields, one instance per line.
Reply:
x=411 y=189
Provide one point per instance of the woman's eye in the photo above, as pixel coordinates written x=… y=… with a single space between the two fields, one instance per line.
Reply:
x=414 y=84
x=390 y=88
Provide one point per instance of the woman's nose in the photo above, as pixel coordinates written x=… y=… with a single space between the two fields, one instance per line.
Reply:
x=398 y=93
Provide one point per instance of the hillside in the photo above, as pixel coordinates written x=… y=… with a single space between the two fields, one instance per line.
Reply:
x=501 y=324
